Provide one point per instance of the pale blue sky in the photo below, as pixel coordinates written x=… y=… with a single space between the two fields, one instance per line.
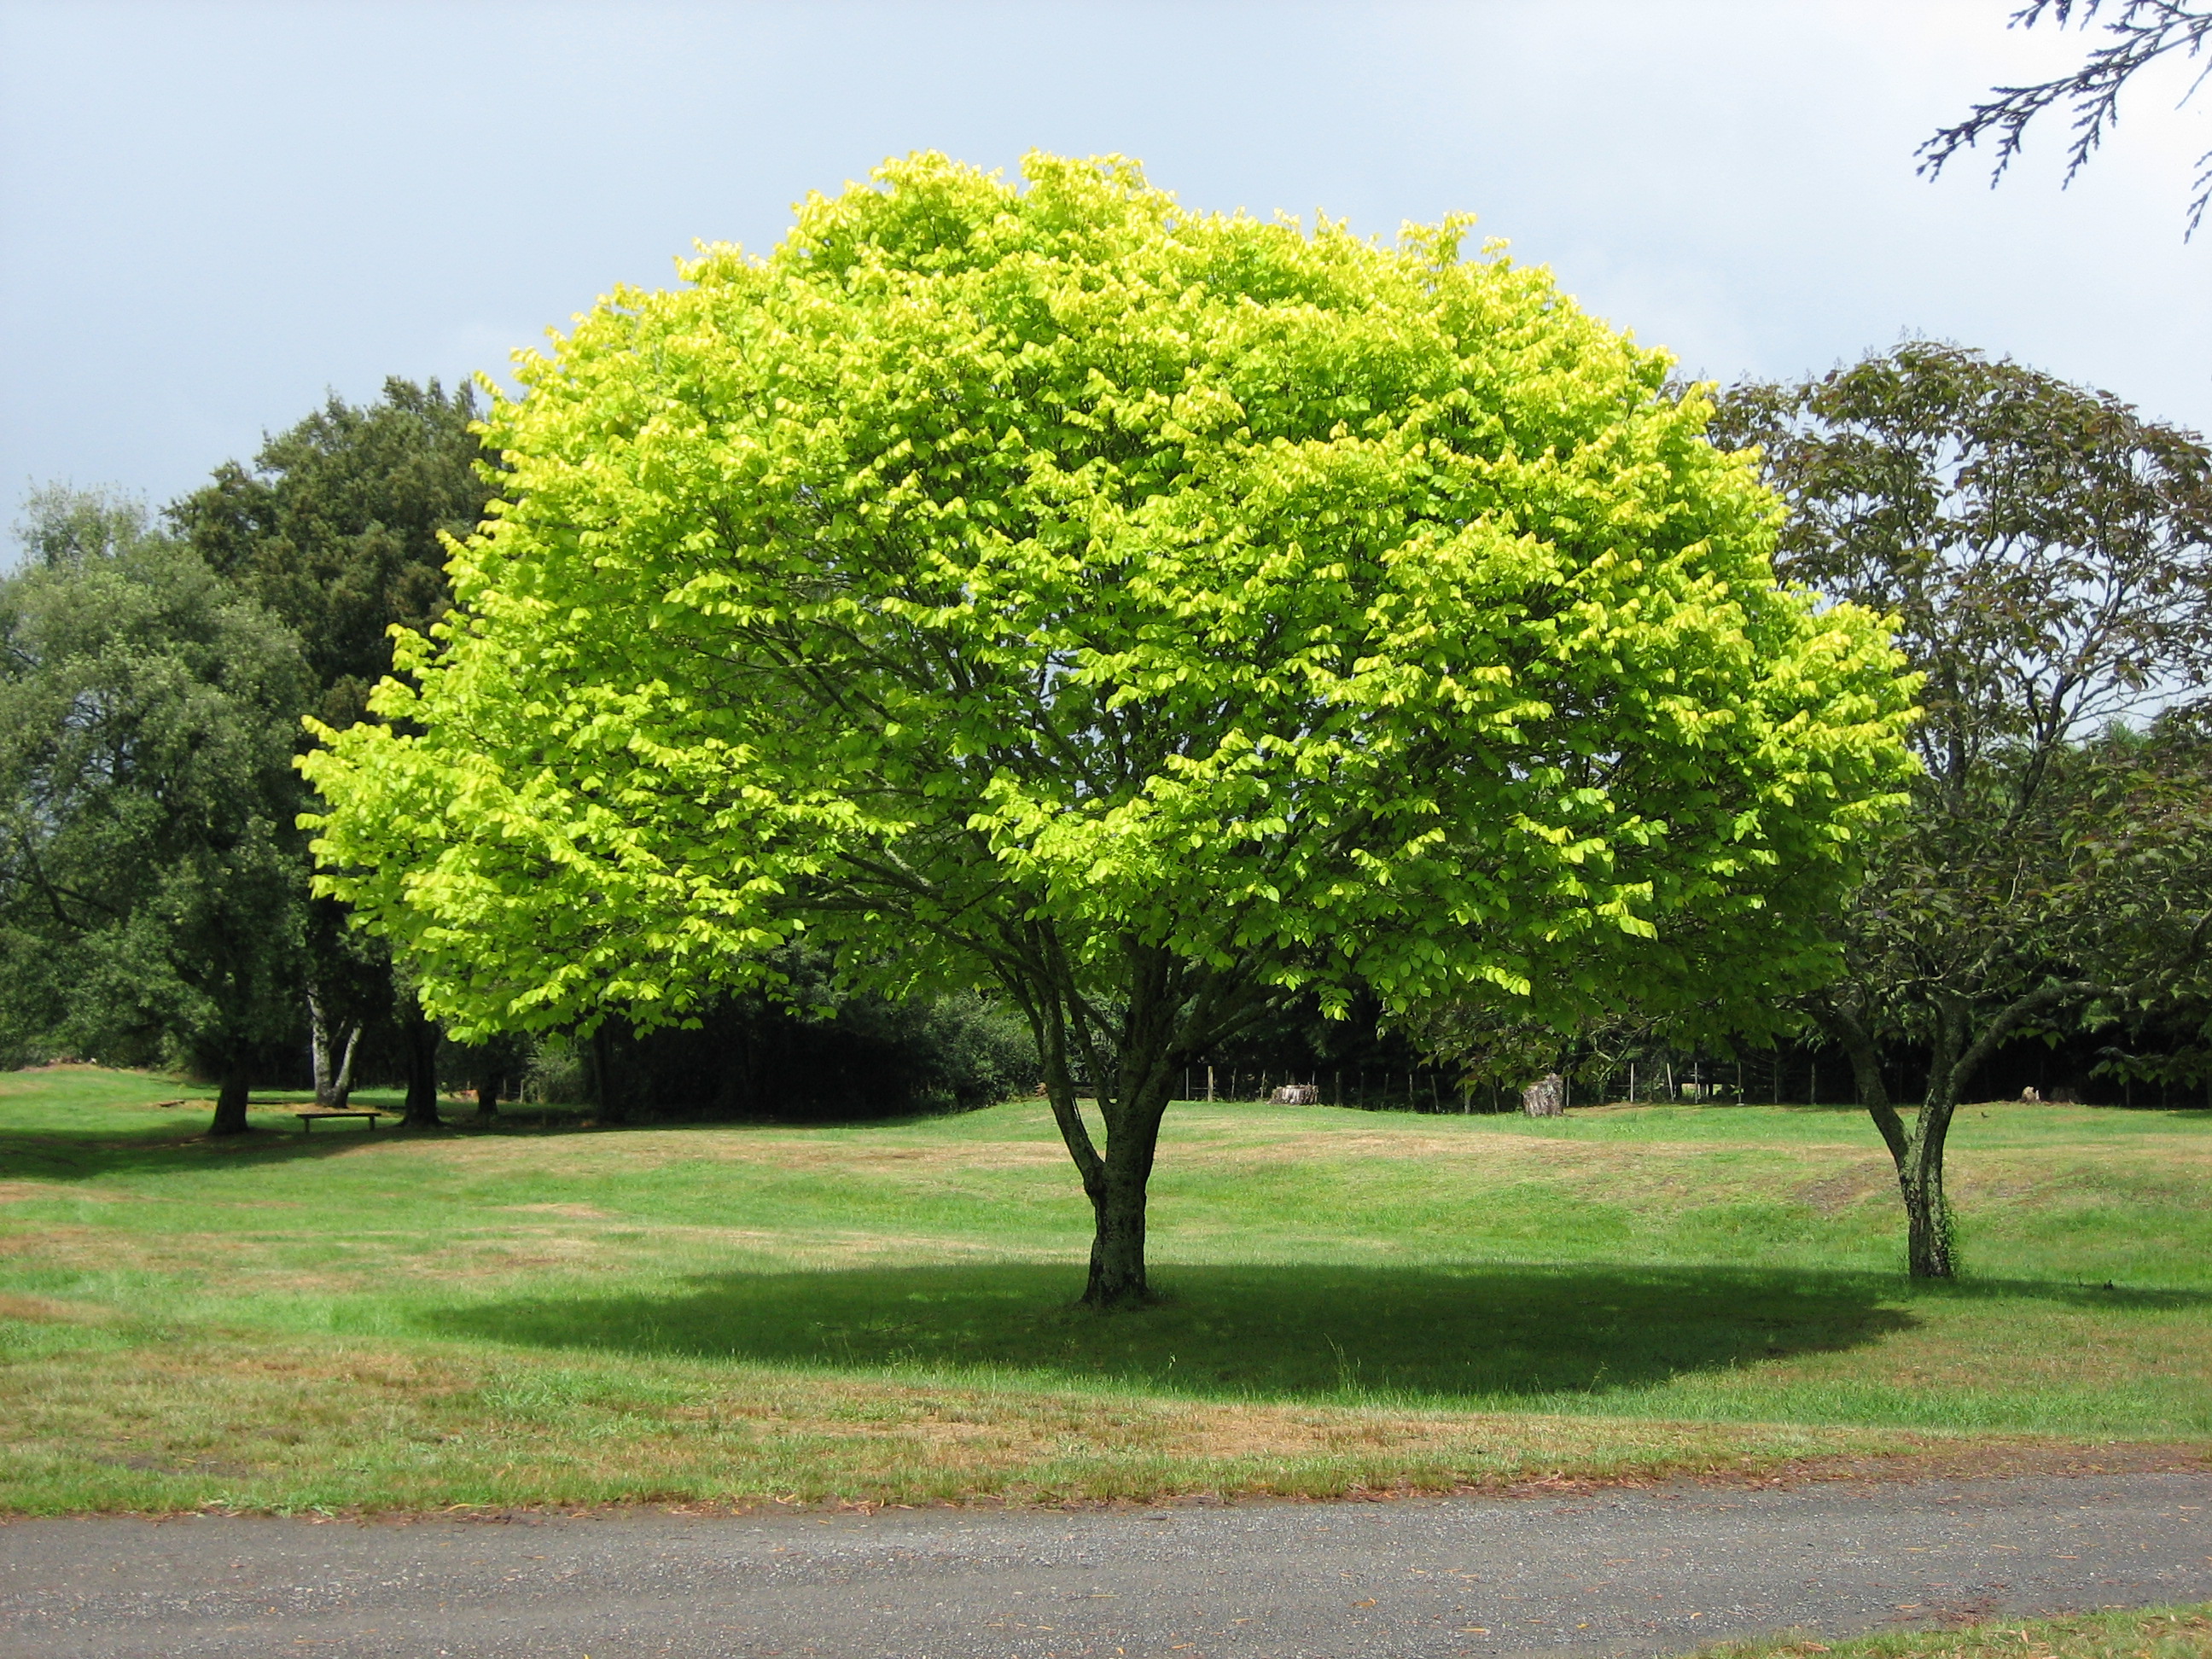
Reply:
x=210 y=213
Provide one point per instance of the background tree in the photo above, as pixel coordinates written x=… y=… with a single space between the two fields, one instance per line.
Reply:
x=338 y=528
x=151 y=877
x=2045 y=550
x=2139 y=33
x=1152 y=614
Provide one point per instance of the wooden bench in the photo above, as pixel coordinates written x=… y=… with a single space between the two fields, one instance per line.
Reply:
x=308 y=1118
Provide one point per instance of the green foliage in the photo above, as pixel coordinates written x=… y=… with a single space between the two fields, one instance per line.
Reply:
x=151 y=876
x=1153 y=613
x=2048 y=554
x=337 y=528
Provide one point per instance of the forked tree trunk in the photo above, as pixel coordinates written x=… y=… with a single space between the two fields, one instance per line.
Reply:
x=1117 y=1208
x=1167 y=1012
x=1915 y=1150
x=342 y=1086
x=1131 y=1104
x=230 y=1101
x=1955 y=1056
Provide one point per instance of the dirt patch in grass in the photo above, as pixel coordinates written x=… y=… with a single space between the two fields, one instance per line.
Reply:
x=570 y=1157
x=1832 y=1195
x=45 y=1309
x=57 y=1192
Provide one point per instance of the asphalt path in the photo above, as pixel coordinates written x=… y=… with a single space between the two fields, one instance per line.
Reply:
x=1612 y=1571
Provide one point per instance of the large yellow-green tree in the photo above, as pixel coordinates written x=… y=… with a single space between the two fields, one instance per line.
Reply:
x=1149 y=613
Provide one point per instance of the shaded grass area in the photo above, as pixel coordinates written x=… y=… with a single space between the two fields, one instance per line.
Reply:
x=1412 y=1334
x=884 y=1312
x=2156 y=1633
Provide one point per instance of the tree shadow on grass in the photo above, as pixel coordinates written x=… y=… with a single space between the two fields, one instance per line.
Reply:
x=178 y=1142
x=1326 y=1332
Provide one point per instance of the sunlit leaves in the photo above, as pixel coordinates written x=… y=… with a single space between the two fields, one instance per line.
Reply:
x=991 y=575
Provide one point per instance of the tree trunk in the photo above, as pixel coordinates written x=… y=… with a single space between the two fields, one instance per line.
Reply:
x=1955 y=1058
x=1117 y=1242
x=342 y=1086
x=1917 y=1151
x=1132 y=1098
x=1132 y=1089
x=1164 y=1012
x=489 y=1081
x=230 y=1101
x=1927 y=1219
x=319 y=1047
x=607 y=1093
x=420 y=1033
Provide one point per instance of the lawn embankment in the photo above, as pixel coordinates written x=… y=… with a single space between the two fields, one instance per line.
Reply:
x=882 y=1313
x=2159 y=1633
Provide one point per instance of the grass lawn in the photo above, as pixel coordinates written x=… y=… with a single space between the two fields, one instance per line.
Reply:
x=883 y=1313
x=2164 y=1633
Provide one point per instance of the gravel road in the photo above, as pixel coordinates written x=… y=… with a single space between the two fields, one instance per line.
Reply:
x=1624 y=1572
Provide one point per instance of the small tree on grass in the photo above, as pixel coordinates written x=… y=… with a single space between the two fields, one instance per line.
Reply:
x=1152 y=614
x=2048 y=554
x=151 y=872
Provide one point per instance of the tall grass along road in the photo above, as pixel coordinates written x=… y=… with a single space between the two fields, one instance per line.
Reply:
x=1612 y=1572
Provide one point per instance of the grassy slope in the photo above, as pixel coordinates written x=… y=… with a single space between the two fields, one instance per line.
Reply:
x=882 y=1311
x=2163 y=1633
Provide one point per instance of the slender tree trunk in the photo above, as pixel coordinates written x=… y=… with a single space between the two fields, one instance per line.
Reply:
x=1915 y=1153
x=1927 y=1218
x=1119 y=1193
x=489 y=1081
x=319 y=1047
x=420 y=1033
x=1918 y=1150
x=1132 y=1095
x=230 y=1100
x=342 y=1086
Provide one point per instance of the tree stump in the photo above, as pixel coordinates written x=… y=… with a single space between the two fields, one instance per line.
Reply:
x=1545 y=1097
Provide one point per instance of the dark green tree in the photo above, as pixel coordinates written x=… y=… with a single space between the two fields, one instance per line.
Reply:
x=338 y=528
x=2047 y=553
x=151 y=877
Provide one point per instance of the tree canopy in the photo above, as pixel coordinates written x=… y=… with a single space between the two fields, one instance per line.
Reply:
x=1152 y=614
x=2048 y=554
x=337 y=528
x=151 y=872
